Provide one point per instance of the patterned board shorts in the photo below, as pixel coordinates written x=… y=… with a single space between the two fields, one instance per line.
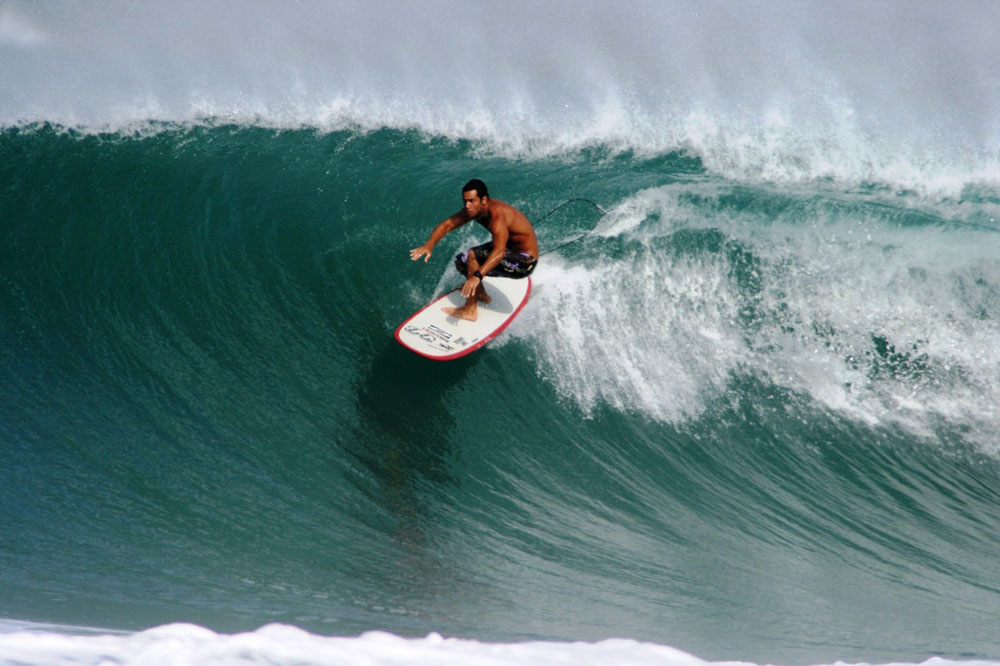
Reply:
x=513 y=265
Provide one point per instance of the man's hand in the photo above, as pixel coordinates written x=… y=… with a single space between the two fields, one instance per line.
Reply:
x=470 y=286
x=422 y=251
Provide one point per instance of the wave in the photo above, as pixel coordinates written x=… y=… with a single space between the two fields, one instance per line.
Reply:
x=873 y=303
x=722 y=397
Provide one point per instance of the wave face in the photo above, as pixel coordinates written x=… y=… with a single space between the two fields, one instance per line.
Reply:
x=732 y=416
x=750 y=412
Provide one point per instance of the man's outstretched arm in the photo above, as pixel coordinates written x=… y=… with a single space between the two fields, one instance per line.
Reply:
x=453 y=222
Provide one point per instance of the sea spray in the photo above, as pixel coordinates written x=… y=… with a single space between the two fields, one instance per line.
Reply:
x=777 y=92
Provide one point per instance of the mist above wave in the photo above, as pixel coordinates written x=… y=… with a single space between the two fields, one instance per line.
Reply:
x=896 y=92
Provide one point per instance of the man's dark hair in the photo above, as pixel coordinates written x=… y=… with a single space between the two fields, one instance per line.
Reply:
x=477 y=185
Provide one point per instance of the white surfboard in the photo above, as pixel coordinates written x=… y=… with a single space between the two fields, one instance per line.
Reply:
x=436 y=335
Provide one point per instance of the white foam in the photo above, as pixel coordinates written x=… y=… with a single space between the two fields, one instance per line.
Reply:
x=181 y=644
x=624 y=337
x=883 y=323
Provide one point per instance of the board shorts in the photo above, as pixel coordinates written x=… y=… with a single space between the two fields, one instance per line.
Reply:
x=513 y=265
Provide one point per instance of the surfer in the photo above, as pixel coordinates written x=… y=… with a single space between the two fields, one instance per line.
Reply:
x=512 y=252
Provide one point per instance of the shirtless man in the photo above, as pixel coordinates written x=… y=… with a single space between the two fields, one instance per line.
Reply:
x=512 y=253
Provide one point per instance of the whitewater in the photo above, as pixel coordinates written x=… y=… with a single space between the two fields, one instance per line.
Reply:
x=790 y=93
x=747 y=417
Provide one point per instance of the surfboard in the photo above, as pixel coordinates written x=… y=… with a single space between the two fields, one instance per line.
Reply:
x=436 y=335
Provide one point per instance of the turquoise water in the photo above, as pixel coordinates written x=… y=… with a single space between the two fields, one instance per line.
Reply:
x=747 y=421
x=750 y=413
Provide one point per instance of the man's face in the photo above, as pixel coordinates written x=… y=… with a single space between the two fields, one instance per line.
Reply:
x=474 y=204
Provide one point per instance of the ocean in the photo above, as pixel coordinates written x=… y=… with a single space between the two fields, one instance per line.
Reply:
x=749 y=413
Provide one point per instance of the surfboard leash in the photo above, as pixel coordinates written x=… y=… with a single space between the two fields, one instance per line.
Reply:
x=585 y=233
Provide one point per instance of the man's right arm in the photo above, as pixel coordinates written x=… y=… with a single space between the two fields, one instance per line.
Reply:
x=453 y=222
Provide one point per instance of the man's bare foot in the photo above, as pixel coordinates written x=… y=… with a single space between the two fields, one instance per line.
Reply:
x=462 y=313
x=482 y=296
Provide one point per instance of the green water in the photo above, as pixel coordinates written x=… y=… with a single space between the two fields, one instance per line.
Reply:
x=747 y=420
